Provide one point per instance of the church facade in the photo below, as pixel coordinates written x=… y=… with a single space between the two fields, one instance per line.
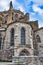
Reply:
x=19 y=36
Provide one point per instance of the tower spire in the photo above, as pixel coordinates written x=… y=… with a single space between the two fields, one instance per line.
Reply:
x=11 y=6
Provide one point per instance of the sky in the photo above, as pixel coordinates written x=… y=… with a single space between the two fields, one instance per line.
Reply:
x=33 y=7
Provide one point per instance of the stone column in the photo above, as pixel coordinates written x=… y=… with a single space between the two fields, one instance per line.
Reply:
x=15 y=51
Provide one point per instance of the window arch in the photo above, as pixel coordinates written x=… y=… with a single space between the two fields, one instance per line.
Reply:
x=23 y=41
x=38 y=39
x=16 y=17
x=6 y=19
x=24 y=52
x=0 y=41
x=12 y=37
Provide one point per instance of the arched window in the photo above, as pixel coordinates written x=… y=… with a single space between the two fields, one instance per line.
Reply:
x=12 y=37
x=23 y=41
x=6 y=19
x=38 y=40
x=0 y=41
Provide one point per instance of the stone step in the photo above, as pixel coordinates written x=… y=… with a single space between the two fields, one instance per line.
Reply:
x=16 y=64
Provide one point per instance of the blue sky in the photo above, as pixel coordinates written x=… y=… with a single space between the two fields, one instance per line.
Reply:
x=33 y=7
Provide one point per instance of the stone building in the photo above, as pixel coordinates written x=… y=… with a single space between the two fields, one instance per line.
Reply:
x=19 y=36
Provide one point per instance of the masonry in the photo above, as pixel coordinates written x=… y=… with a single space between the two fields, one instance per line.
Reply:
x=19 y=36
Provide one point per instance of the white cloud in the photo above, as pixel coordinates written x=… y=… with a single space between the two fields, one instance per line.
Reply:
x=39 y=2
x=21 y=9
x=19 y=6
x=36 y=2
x=4 y=4
x=40 y=24
x=37 y=9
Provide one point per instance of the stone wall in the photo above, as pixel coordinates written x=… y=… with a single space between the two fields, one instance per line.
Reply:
x=6 y=54
x=17 y=35
x=40 y=44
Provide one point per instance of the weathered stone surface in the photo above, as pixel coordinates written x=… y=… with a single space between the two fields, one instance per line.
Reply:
x=17 y=20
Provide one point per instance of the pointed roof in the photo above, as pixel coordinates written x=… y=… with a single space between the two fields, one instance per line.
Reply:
x=11 y=6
